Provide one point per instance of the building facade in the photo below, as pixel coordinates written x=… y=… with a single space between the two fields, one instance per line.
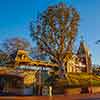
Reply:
x=81 y=61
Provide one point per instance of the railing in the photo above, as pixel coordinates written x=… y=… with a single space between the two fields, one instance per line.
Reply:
x=35 y=63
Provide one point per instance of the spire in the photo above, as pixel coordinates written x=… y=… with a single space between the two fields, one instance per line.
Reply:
x=81 y=37
x=83 y=49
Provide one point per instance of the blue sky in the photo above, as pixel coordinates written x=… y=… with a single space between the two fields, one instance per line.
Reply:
x=15 y=16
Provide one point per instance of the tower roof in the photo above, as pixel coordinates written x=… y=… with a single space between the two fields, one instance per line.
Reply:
x=83 y=49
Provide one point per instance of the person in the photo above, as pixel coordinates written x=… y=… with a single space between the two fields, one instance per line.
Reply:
x=50 y=90
x=90 y=88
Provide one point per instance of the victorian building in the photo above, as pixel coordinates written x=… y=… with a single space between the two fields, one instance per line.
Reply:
x=81 y=61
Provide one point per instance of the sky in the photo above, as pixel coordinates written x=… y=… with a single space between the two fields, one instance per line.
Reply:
x=15 y=16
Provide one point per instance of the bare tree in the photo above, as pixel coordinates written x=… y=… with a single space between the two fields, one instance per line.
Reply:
x=9 y=50
x=11 y=45
x=55 y=32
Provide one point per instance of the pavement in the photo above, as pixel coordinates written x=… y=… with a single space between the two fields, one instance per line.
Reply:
x=71 y=97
